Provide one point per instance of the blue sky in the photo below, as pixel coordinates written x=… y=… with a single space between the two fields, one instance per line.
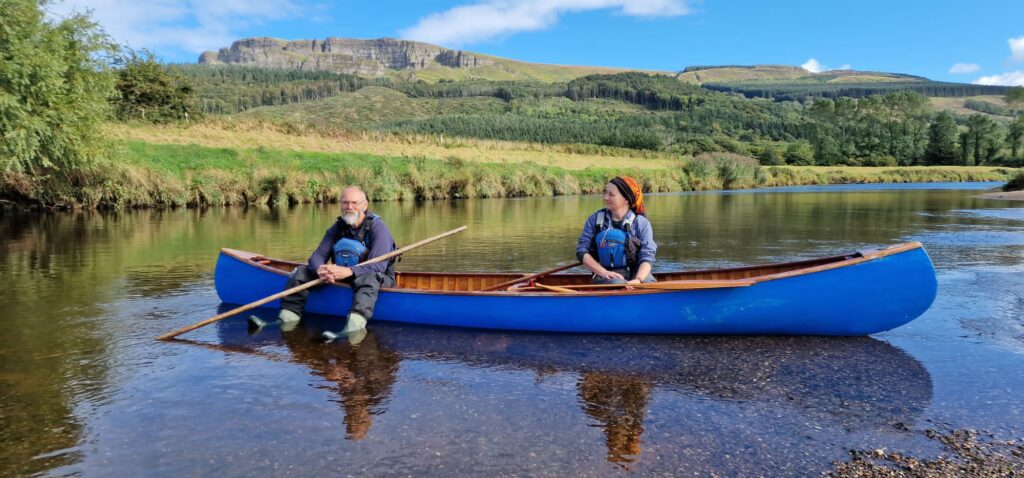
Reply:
x=964 y=41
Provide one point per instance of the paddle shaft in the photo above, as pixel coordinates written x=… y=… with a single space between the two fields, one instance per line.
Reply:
x=310 y=284
x=671 y=285
x=529 y=277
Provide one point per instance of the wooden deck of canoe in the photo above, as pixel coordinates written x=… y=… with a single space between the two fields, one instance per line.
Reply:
x=442 y=282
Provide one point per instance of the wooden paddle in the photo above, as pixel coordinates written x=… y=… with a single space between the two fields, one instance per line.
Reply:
x=671 y=285
x=529 y=277
x=313 y=283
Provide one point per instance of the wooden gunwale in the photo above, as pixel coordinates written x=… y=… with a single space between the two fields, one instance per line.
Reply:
x=282 y=267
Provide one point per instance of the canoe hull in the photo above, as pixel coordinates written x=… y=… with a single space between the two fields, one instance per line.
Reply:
x=859 y=299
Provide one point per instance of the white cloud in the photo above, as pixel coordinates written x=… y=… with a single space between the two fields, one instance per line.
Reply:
x=961 y=68
x=192 y=25
x=1017 y=48
x=1013 y=78
x=815 y=66
x=494 y=18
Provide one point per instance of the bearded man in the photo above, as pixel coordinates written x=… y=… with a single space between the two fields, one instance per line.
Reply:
x=356 y=237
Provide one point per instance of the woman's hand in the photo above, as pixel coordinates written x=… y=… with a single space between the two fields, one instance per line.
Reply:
x=609 y=275
x=631 y=283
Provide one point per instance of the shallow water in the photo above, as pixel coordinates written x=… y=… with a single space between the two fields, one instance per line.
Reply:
x=84 y=389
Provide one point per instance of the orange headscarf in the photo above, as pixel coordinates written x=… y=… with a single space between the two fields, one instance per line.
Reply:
x=630 y=189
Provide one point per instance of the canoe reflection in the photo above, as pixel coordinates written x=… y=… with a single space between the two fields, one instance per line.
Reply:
x=856 y=383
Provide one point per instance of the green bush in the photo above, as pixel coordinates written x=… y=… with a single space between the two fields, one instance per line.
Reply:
x=149 y=93
x=799 y=153
x=1015 y=184
x=55 y=87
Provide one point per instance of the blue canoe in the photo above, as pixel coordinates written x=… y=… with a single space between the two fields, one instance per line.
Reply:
x=859 y=293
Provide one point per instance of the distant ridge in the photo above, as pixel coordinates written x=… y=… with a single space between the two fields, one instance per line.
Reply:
x=343 y=55
x=388 y=57
x=727 y=74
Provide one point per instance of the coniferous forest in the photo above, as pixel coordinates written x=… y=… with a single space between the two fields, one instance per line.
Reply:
x=881 y=125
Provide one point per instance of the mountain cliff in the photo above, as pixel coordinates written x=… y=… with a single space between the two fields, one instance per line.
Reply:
x=389 y=57
x=343 y=55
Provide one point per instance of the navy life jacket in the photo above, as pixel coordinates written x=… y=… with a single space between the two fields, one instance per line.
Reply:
x=351 y=251
x=614 y=248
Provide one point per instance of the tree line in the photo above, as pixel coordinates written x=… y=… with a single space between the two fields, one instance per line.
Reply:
x=802 y=91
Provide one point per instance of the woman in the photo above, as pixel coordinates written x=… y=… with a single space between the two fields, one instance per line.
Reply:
x=617 y=243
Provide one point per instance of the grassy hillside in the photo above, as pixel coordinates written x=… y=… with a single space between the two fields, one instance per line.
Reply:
x=237 y=134
x=370 y=106
x=505 y=70
x=963 y=106
x=636 y=111
x=784 y=74
x=789 y=83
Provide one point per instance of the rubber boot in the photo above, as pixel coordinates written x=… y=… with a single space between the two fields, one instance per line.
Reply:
x=286 y=319
x=355 y=323
x=355 y=329
x=256 y=324
x=289 y=320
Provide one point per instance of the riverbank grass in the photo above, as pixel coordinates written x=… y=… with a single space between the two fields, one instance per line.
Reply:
x=214 y=164
x=193 y=175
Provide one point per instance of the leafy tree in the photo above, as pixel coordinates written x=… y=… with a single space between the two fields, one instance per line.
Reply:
x=770 y=156
x=942 y=139
x=55 y=90
x=965 y=152
x=986 y=107
x=826 y=150
x=1014 y=135
x=150 y=93
x=1015 y=96
x=799 y=153
x=983 y=138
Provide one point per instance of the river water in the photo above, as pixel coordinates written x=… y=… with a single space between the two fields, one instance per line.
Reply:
x=85 y=390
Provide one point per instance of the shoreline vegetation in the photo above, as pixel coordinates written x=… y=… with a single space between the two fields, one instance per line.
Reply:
x=1013 y=190
x=222 y=163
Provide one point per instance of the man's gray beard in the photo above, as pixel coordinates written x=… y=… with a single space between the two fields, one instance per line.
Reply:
x=350 y=218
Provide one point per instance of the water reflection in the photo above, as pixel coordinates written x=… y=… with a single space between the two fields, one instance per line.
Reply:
x=362 y=376
x=618 y=403
x=86 y=291
x=857 y=384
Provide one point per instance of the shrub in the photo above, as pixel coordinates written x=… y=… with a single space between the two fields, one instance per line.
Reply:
x=1015 y=184
x=800 y=153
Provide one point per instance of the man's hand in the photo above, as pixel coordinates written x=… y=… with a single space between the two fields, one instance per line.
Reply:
x=331 y=273
x=631 y=283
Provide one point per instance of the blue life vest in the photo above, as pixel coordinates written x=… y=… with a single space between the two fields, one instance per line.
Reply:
x=612 y=242
x=348 y=251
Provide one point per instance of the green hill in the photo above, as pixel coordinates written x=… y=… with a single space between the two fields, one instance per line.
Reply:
x=370 y=106
x=758 y=74
x=504 y=70
x=791 y=83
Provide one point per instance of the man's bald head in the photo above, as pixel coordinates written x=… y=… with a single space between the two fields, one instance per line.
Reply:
x=353 y=193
